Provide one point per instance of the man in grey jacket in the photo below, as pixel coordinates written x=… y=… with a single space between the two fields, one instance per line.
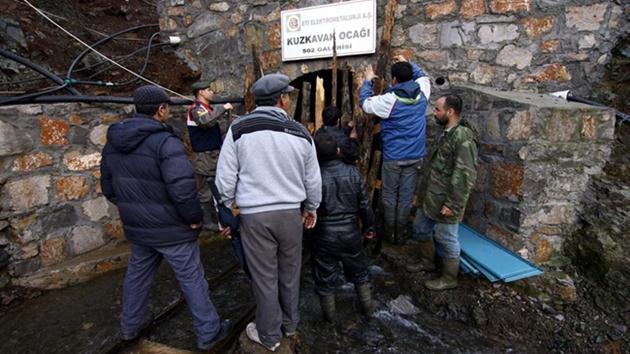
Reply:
x=268 y=167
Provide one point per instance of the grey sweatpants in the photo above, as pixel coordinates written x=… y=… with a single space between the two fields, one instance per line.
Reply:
x=273 y=248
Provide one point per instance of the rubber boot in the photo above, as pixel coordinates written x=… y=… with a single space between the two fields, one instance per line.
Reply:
x=426 y=261
x=448 y=277
x=327 y=303
x=365 y=298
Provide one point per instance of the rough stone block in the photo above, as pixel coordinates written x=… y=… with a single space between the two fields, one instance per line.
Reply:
x=587 y=42
x=175 y=11
x=537 y=26
x=506 y=6
x=74 y=161
x=426 y=35
x=52 y=251
x=441 y=9
x=76 y=120
x=25 y=267
x=520 y=126
x=26 y=193
x=434 y=56
x=50 y=221
x=472 y=8
x=32 y=162
x=550 y=46
x=71 y=187
x=110 y=118
x=84 y=239
x=12 y=142
x=551 y=72
x=507 y=181
x=504 y=237
x=495 y=33
x=98 y=135
x=219 y=6
x=96 y=208
x=483 y=73
x=511 y=55
x=558 y=125
x=204 y=23
x=456 y=34
x=586 y=18
x=53 y=131
x=115 y=230
x=274 y=37
x=557 y=214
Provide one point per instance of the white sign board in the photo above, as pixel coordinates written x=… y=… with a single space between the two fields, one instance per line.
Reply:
x=308 y=33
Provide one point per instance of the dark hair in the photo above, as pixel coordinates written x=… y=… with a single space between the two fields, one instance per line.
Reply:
x=326 y=147
x=268 y=101
x=402 y=71
x=453 y=101
x=148 y=109
x=331 y=115
x=196 y=91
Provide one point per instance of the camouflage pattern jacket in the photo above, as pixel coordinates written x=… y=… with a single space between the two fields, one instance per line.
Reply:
x=450 y=174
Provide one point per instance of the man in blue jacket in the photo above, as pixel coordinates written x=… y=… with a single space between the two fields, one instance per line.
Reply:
x=146 y=173
x=402 y=111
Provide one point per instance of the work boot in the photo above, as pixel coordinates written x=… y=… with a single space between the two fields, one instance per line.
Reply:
x=365 y=298
x=390 y=224
x=448 y=276
x=327 y=302
x=401 y=234
x=426 y=261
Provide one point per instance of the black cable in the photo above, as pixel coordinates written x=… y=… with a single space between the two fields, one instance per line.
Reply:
x=127 y=57
x=37 y=68
x=104 y=99
x=34 y=95
x=99 y=42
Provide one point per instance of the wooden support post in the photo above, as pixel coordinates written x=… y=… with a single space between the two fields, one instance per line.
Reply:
x=306 y=105
x=385 y=46
x=334 y=71
x=346 y=105
x=320 y=102
x=250 y=101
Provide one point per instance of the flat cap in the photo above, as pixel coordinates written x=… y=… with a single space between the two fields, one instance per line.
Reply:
x=200 y=85
x=271 y=85
x=150 y=94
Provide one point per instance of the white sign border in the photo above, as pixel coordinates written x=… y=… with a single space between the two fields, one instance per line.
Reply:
x=320 y=56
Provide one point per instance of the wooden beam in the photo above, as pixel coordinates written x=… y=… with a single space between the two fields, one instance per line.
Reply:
x=385 y=45
x=306 y=103
x=320 y=102
x=250 y=101
x=334 y=71
x=346 y=105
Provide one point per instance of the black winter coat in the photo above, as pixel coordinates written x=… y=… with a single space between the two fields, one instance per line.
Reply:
x=344 y=196
x=146 y=173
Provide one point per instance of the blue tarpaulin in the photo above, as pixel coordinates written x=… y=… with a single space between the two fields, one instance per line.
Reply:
x=479 y=254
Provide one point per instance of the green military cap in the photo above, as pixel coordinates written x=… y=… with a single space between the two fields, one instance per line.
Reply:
x=200 y=85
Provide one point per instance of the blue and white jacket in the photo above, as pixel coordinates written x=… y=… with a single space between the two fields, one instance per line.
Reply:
x=402 y=110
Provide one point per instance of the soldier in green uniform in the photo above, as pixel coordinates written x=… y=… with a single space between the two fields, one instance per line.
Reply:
x=449 y=177
x=204 y=129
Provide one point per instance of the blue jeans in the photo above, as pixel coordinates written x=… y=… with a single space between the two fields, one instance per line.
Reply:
x=185 y=261
x=446 y=235
x=399 y=184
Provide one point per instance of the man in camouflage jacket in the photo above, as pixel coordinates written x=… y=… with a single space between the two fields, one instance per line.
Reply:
x=449 y=177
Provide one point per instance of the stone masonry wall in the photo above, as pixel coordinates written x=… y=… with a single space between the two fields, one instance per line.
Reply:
x=538 y=155
x=51 y=206
x=531 y=45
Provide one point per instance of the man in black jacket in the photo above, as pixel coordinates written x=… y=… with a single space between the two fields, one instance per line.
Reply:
x=146 y=173
x=337 y=237
x=346 y=137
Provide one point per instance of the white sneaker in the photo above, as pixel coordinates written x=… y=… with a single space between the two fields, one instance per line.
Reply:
x=252 y=334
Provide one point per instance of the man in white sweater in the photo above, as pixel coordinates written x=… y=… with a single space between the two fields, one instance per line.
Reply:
x=268 y=167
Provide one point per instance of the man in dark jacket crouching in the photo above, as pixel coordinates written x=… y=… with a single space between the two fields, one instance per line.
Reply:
x=146 y=173
x=337 y=237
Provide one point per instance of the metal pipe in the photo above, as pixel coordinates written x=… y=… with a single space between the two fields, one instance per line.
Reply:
x=37 y=68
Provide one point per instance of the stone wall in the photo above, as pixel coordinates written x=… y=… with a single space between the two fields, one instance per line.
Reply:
x=538 y=155
x=51 y=204
x=532 y=45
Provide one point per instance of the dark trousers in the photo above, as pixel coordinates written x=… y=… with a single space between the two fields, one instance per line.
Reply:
x=185 y=260
x=334 y=244
x=273 y=249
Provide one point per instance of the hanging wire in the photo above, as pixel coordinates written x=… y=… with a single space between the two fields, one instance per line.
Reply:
x=101 y=54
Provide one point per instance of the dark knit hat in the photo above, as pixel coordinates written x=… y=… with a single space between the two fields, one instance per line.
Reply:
x=150 y=94
x=200 y=85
